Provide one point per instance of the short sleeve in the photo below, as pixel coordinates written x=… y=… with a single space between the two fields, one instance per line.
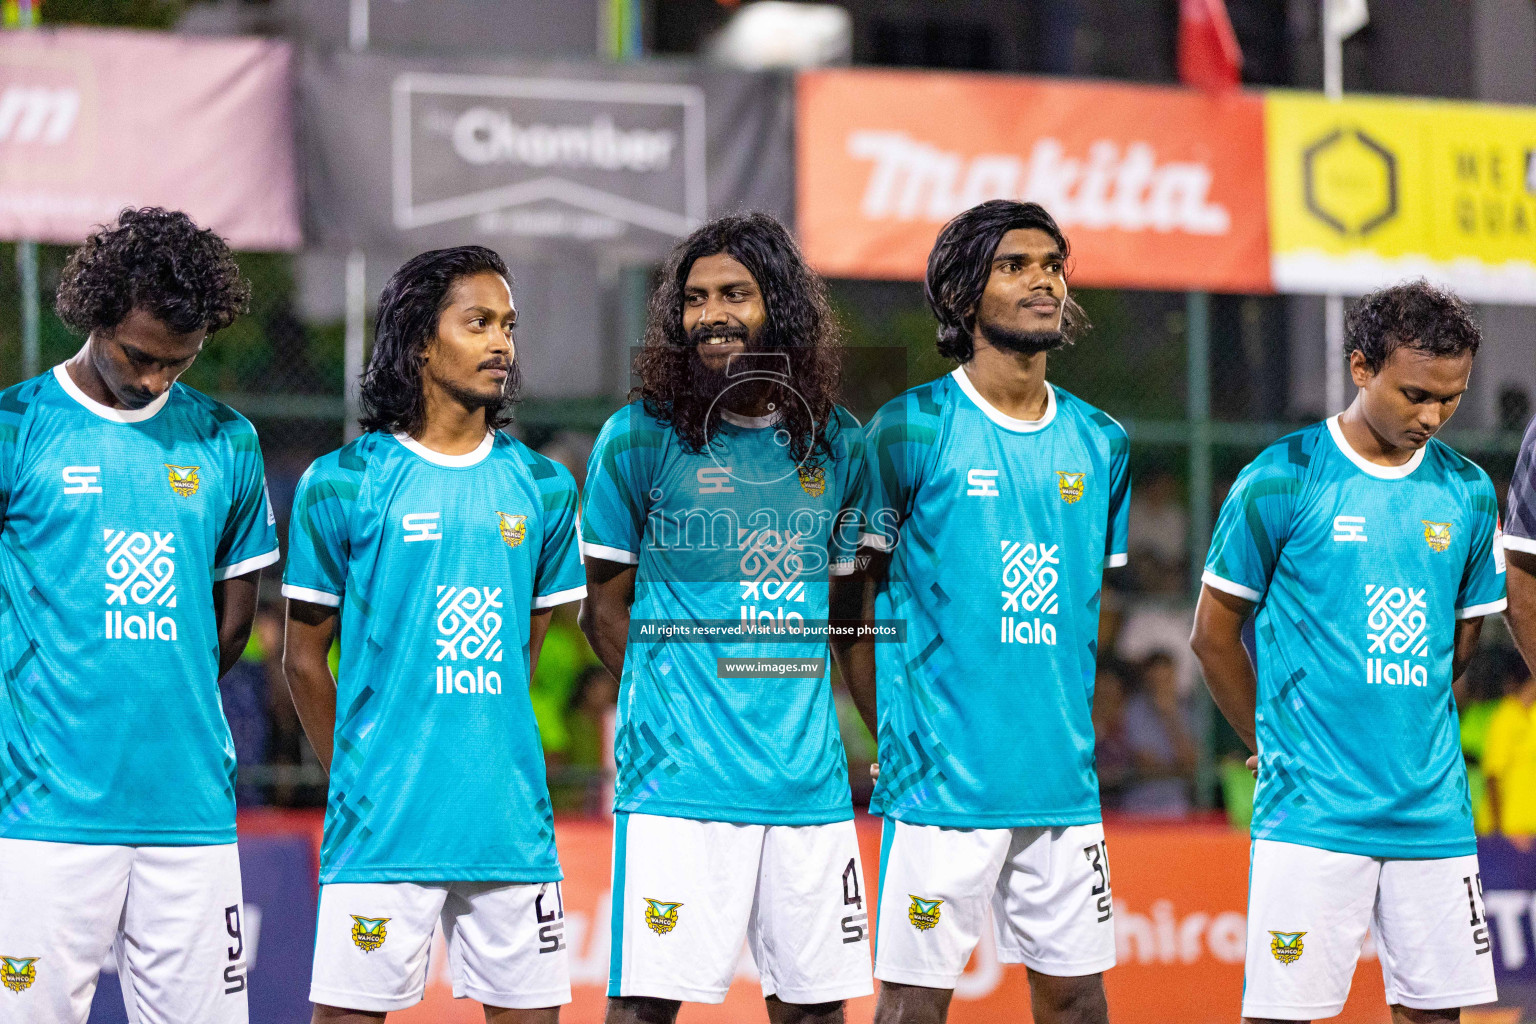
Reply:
x=558 y=578
x=1252 y=529
x=843 y=544
x=1482 y=579
x=249 y=539
x=1116 y=538
x=897 y=443
x=613 y=509
x=1520 y=527
x=318 y=542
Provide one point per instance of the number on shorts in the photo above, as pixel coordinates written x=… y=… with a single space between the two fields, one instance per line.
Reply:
x=1480 y=941
x=234 y=974
x=552 y=923
x=1098 y=859
x=855 y=925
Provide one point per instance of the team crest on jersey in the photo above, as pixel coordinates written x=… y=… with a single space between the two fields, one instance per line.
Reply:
x=368 y=932
x=183 y=479
x=660 y=917
x=1286 y=946
x=813 y=481
x=1437 y=535
x=513 y=528
x=924 y=914
x=1070 y=485
x=18 y=973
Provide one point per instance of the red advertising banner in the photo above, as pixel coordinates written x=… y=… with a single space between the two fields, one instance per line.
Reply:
x=1155 y=187
x=92 y=121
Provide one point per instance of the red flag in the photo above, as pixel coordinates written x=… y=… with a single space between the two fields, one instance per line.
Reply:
x=1208 y=54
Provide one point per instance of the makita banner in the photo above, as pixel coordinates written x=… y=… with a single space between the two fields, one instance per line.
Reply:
x=1155 y=187
x=404 y=154
x=92 y=121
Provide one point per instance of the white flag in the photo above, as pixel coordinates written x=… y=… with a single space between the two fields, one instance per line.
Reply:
x=1343 y=18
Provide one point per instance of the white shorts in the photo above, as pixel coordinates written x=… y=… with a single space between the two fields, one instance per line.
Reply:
x=1048 y=889
x=1308 y=910
x=172 y=915
x=686 y=893
x=506 y=944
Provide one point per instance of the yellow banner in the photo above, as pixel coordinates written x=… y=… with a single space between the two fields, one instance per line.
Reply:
x=1367 y=192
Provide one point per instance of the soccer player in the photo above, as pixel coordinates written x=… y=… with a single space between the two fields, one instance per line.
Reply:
x=1370 y=553
x=724 y=497
x=134 y=525
x=439 y=546
x=1519 y=544
x=997 y=501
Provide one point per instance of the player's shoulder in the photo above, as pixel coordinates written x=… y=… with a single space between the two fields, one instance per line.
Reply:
x=1291 y=457
x=913 y=415
x=211 y=415
x=548 y=475
x=1091 y=418
x=18 y=400
x=1458 y=470
x=347 y=465
x=632 y=426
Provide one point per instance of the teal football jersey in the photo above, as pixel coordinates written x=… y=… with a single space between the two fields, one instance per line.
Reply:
x=116 y=525
x=436 y=562
x=1360 y=572
x=733 y=535
x=999 y=531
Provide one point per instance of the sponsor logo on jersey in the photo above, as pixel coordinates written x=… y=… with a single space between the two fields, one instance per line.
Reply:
x=1030 y=575
x=513 y=528
x=1349 y=528
x=469 y=629
x=18 y=973
x=771 y=563
x=1071 y=486
x=715 y=480
x=1287 y=947
x=1396 y=621
x=369 y=932
x=1437 y=535
x=82 y=479
x=140 y=571
x=924 y=914
x=183 y=479
x=982 y=483
x=813 y=481
x=420 y=526
x=660 y=917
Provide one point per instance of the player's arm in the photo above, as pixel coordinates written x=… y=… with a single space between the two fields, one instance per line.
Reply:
x=1520 y=616
x=852 y=603
x=1467 y=633
x=234 y=609
x=604 y=615
x=1217 y=641
x=538 y=627
x=307 y=666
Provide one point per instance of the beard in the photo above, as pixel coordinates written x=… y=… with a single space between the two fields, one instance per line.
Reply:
x=704 y=381
x=1025 y=343
x=511 y=390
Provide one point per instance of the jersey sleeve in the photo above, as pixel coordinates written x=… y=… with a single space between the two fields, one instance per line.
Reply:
x=897 y=443
x=318 y=541
x=844 y=542
x=249 y=538
x=1254 y=524
x=1482 y=579
x=558 y=578
x=1520 y=528
x=1116 y=538
x=613 y=509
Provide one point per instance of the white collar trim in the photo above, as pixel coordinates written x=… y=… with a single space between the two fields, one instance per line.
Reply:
x=751 y=422
x=1366 y=466
x=106 y=412
x=999 y=417
x=470 y=458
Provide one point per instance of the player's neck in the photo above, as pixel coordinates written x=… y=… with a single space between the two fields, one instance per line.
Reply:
x=1368 y=444
x=449 y=427
x=83 y=372
x=1013 y=382
x=752 y=399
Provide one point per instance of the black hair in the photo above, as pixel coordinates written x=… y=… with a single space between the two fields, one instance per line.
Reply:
x=961 y=262
x=799 y=323
x=410 y=307
x=158 y=261
x=1412 y=315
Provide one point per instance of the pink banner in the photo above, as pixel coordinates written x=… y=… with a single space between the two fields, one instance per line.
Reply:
x=92 y=121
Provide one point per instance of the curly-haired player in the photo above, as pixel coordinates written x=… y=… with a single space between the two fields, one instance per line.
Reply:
x=135 y=527
x=1369 y=553
x=716 y=498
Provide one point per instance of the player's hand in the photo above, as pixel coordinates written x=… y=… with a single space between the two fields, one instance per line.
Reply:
x=1253 y=765
x=874 y=772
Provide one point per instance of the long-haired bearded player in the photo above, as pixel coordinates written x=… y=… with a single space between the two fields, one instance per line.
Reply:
x=716 y=500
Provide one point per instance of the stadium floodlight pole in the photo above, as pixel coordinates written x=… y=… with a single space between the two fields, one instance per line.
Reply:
x=355 y=336
x=1341 y=19
x=1197 y=315
x=25 y=15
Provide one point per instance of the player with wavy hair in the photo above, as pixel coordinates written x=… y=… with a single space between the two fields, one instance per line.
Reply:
x=135 y=526
x=723 y=493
